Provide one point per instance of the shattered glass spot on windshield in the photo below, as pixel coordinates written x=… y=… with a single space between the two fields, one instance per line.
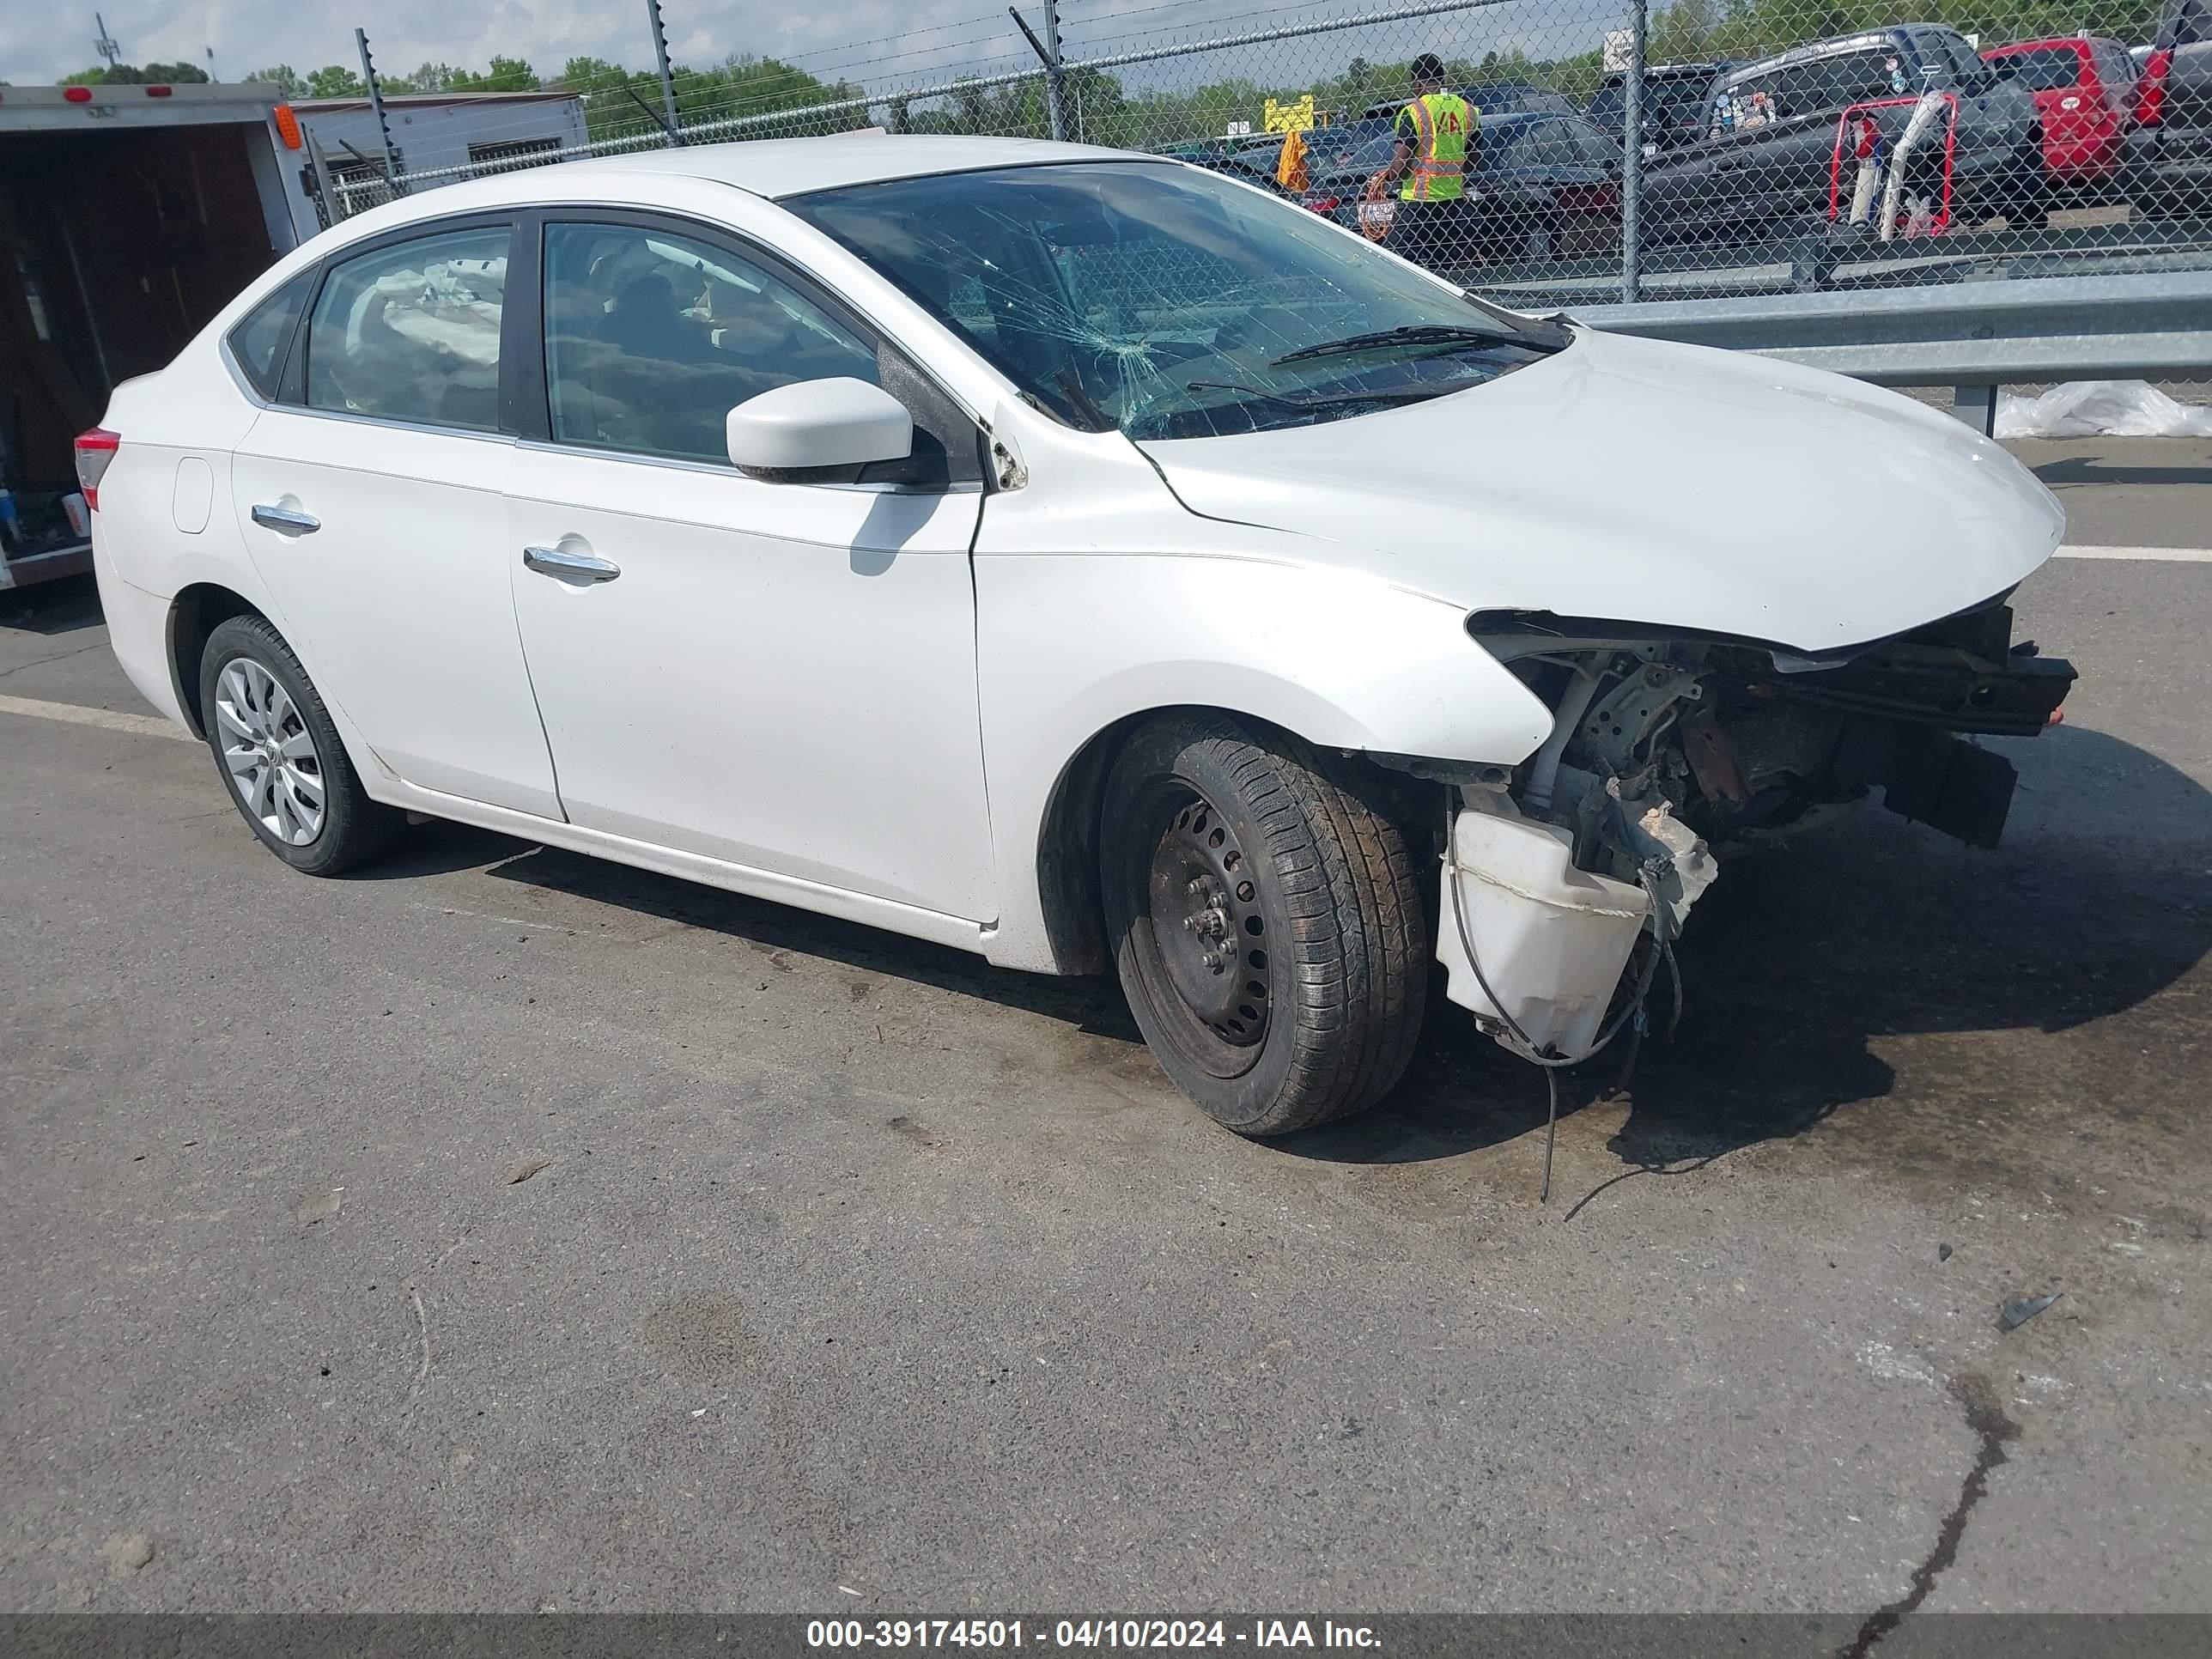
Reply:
x=1162 y=300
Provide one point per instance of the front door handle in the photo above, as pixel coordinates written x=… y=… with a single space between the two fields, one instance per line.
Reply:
x=285 y=520
x=577 y=568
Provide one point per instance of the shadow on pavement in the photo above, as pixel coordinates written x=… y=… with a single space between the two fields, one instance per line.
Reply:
x=56 y=607
x=1797 y=960
x=1091 y=1004
x=2092 y=469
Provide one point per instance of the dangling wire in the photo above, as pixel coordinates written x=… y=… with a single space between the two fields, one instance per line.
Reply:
x=1648 y=875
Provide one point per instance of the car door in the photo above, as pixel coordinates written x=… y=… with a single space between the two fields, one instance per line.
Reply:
x=371 y=496
x=2185 y=115
x=1998 y=121
x=777 y=675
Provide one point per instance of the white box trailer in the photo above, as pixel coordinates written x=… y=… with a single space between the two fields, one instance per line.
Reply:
x=129 y=216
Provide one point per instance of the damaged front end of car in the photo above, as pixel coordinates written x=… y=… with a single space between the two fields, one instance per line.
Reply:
x=1668 y=750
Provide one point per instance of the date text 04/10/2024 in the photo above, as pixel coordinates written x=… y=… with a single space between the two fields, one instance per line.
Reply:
x=1123 y=1633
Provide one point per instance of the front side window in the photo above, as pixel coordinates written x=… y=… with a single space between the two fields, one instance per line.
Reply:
x=2118 y=72
x=410 y=331
x=652 y=338
x=257 y=345
x=1169 y=302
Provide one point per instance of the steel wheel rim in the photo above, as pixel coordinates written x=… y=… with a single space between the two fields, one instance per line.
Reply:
x=269 y=755
x=1209 y=932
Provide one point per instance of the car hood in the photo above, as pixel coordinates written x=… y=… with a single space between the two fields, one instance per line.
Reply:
x=1639 y=481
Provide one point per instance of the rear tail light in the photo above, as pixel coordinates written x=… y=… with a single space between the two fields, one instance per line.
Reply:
x=2150 y=91
x=78 y=94
x=94 y=450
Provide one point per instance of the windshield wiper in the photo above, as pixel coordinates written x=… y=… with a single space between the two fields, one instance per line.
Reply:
x=1085 y=404
x=1333 y=400
x=1405 y=334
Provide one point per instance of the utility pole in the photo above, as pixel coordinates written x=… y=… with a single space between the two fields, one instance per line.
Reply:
x=104 y=42
x=1047 y=51
x=1632 y=157
x=376 y=105
x=667 y=76
x=1055 y=97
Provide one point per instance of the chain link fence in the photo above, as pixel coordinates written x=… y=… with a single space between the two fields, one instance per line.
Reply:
x=1707 y=147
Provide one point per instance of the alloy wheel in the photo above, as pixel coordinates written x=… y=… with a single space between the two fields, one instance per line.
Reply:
x=269 y=753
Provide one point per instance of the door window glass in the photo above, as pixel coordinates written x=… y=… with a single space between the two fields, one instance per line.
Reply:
x=1814 y=87
x=1592 y=147
x=652 y=338
x=410 y=331
x=2118 y=72
x=257 y=345
x=2044 y=69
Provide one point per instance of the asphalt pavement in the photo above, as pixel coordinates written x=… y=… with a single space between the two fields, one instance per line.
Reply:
x=503 y=1230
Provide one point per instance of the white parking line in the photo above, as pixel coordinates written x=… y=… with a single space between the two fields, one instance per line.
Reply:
x=2168 y=555
x=109 y=720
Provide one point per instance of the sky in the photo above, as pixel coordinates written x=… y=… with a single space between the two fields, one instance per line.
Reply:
x=878 y=42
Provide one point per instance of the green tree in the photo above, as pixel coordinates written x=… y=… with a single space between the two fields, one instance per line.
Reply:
x=131 y=75
x=286 y=78
x=505 y=75
x=335 y=81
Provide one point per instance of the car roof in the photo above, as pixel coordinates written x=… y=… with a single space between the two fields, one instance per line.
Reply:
x=780 y=167
x=1834 y=47
x=1667 y=72
x=2073 y=42
x=775 y=168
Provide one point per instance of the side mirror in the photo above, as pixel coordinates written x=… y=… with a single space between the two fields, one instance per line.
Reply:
x=812 y=427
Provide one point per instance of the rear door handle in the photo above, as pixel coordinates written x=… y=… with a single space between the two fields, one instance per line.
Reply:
x=576 y=568
x=285 y=520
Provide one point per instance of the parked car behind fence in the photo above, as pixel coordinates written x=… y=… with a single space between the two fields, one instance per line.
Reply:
x=2084 y=89
x=1674 y=102
x=1539 y=186
x=2171 y=167
x=1768 y=155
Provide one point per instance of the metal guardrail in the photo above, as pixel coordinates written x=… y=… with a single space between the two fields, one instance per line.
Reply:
x=1972 y=336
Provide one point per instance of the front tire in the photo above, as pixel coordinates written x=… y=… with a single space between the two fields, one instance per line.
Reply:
x=1264 y=921
x=279 y=754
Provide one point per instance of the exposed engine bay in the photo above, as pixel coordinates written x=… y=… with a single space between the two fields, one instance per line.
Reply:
x=1669 y=751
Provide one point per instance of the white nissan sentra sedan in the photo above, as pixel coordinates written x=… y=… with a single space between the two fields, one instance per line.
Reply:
x=1073 y=556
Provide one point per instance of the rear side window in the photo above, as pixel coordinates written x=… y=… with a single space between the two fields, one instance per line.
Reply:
x=1812 y=87
x=258 y=344
x=2045 y=69
x=410 y=331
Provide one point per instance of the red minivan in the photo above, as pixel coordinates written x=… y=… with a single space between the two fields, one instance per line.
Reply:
x=2084 y=89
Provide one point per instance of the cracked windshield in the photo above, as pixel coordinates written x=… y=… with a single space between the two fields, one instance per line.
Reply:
x=1171 y=303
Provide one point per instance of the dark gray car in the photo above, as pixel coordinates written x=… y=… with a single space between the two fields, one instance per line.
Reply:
x=1538 y=184
x=1768 y=155
x=2170 y=151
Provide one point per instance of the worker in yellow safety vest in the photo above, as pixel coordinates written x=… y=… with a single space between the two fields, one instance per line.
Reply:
x=1436 y=147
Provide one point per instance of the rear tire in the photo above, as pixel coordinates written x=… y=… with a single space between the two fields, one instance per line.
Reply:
x=2024 y=194
x=1265 y=920
x=279 y=756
